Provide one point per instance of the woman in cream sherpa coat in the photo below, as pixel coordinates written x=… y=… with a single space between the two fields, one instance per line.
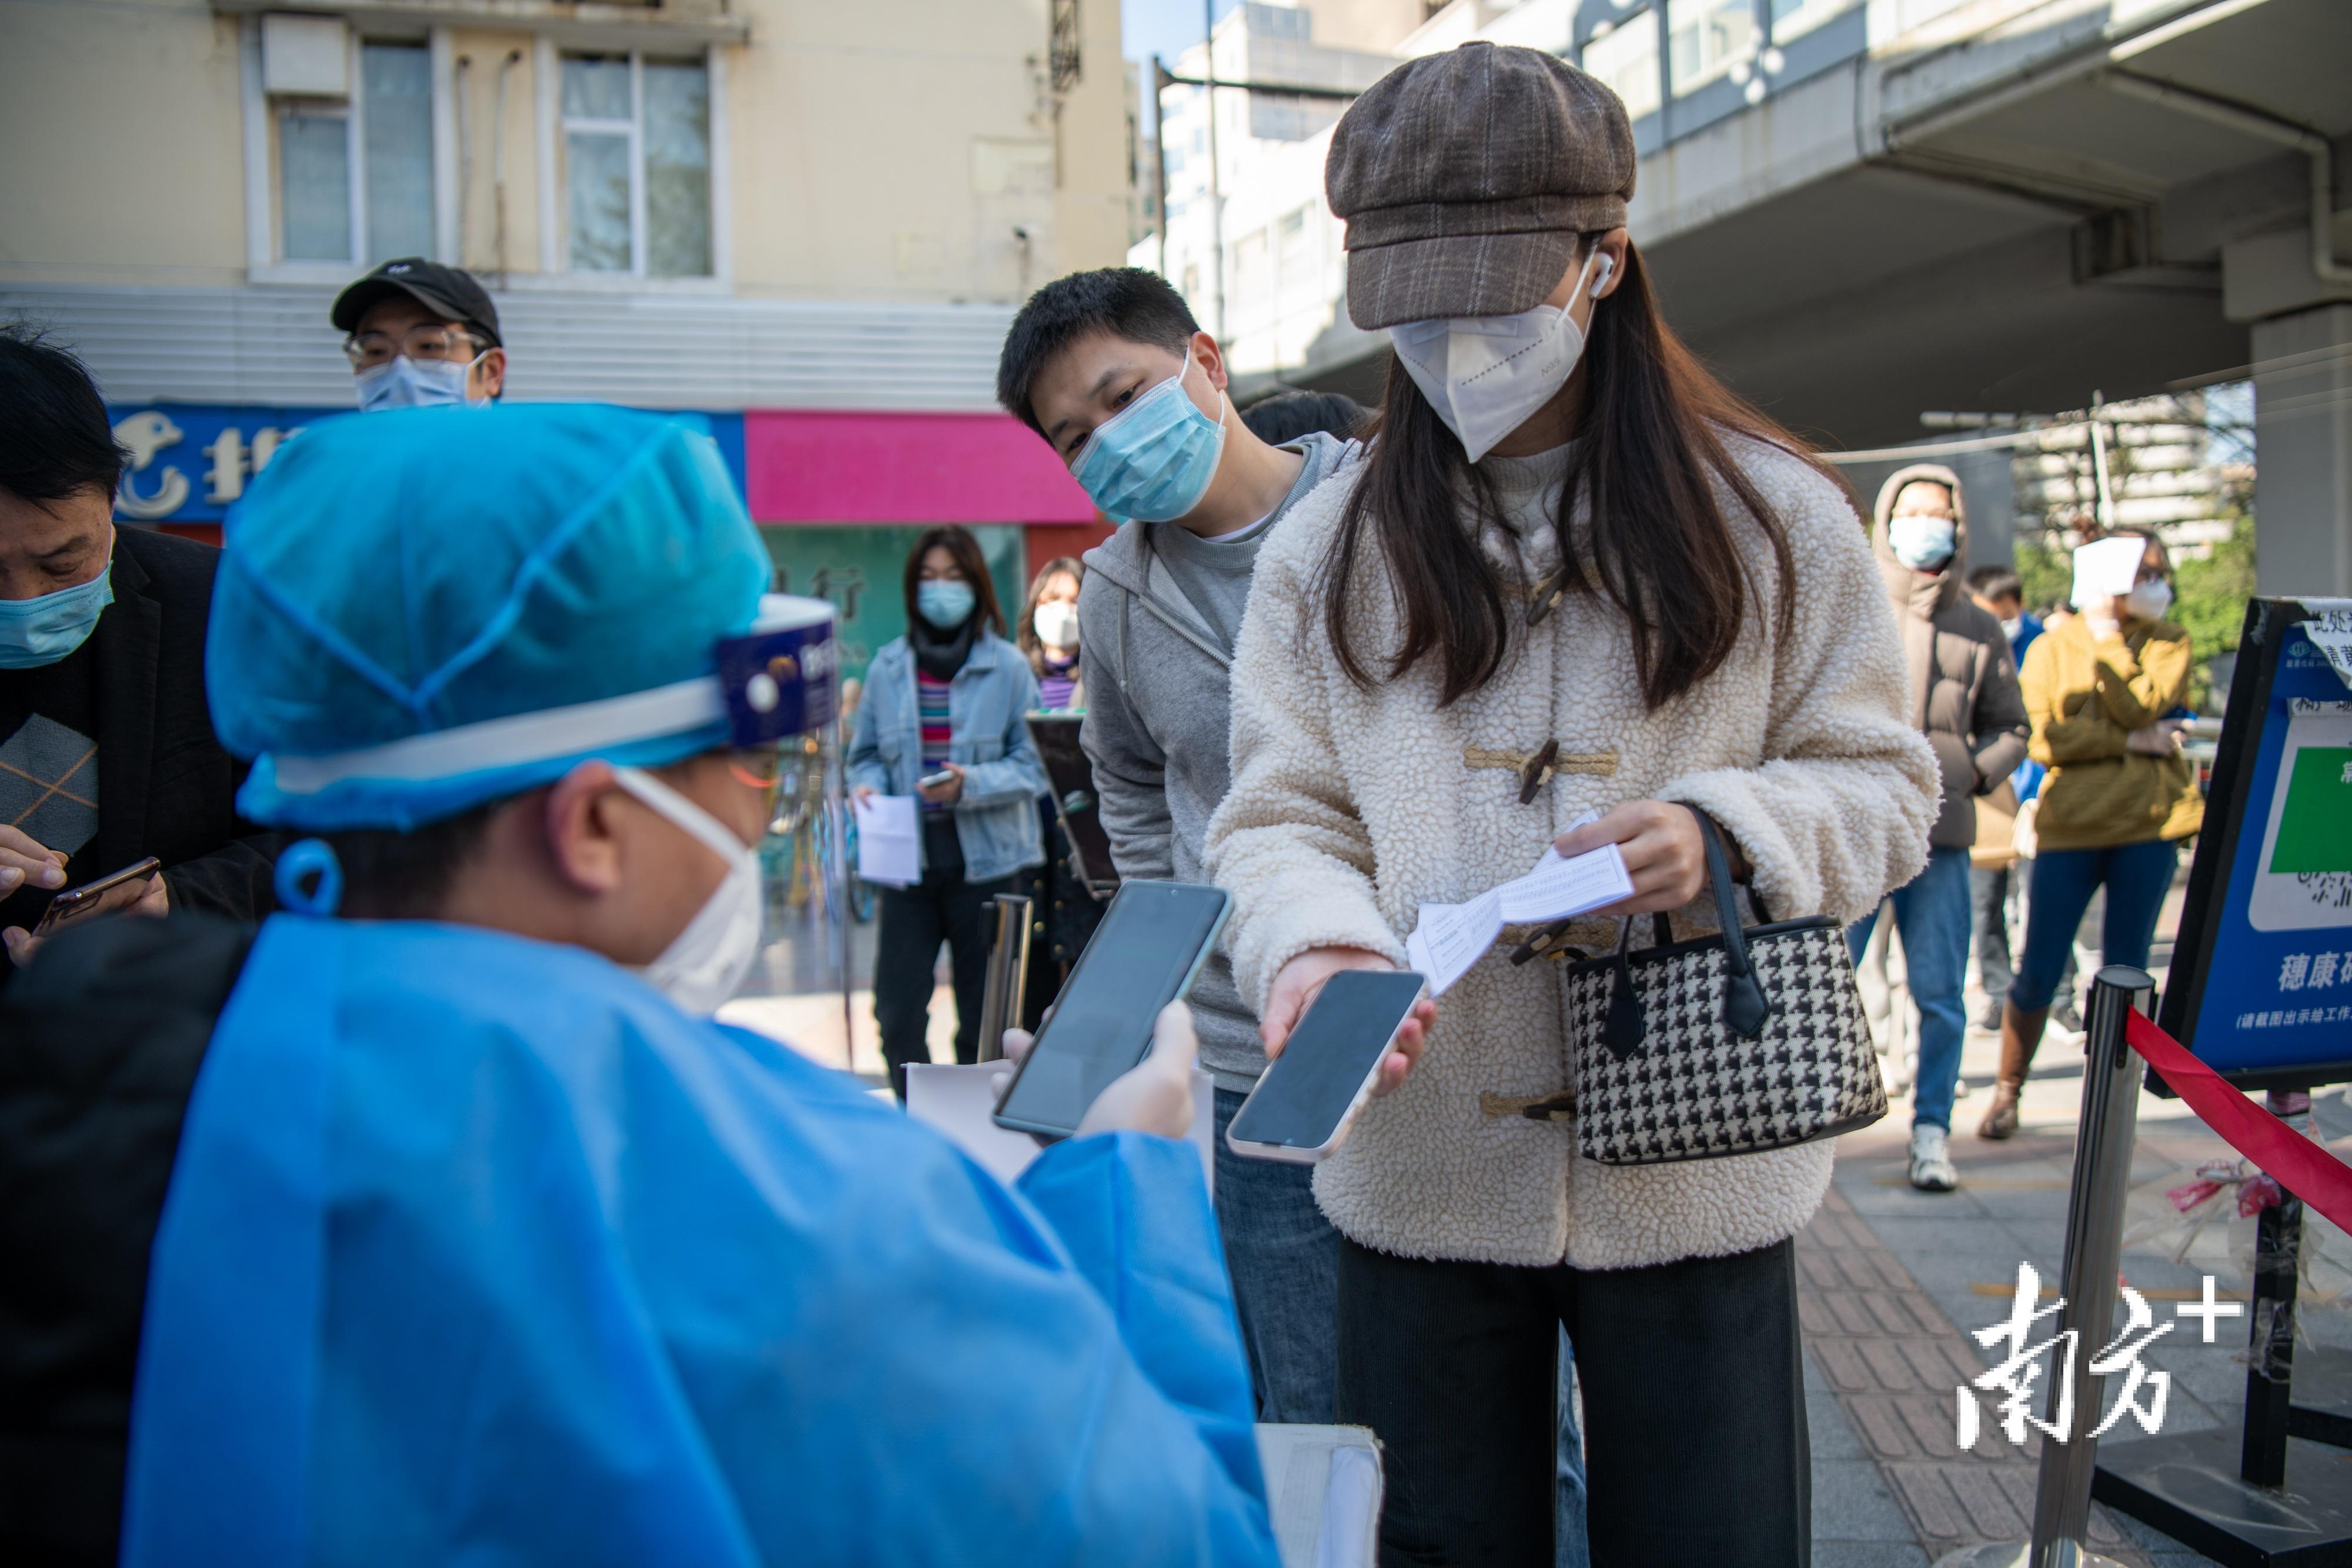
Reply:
x=1472 y=1229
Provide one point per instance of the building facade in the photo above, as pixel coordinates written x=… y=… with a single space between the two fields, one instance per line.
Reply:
x=810 y=223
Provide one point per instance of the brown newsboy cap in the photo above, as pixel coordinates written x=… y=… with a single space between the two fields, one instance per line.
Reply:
x=1466 y=177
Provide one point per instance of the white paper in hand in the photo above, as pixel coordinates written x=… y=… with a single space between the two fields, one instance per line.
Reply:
x=1451 y=938
x=889 y=841
x=2104 y=569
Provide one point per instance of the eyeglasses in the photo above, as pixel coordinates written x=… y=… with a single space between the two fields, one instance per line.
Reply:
x=365 y=350
x=788 y=776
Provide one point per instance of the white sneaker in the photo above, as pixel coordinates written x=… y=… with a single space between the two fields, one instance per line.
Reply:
x=1931 y=1161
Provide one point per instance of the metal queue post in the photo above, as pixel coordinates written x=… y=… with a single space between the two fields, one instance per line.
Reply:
x=1002 y=998
x=2272 y=881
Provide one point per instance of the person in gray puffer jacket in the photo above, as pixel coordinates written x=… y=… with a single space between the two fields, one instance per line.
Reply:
x=1965 y=699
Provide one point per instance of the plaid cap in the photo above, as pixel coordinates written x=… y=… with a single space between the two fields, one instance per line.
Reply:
x=1464 y=179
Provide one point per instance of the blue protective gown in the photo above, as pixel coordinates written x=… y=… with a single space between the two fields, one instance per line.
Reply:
x=476 y=1250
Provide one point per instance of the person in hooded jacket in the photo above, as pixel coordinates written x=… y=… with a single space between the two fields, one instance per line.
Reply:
x=947 y=701
x=1965 y=699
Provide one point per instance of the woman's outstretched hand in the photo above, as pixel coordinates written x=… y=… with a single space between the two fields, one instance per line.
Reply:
x=1302 y=979
x=1664 y=854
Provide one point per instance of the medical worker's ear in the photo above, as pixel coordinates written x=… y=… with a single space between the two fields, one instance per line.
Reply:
x=582 y=826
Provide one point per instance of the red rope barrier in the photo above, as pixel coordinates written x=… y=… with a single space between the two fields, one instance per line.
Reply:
x=2297 y=1163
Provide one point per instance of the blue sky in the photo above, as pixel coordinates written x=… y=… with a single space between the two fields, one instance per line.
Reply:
x=1162 y=27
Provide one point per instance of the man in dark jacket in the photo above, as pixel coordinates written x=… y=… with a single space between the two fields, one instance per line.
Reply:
x=107 y=753
x=1964 y=697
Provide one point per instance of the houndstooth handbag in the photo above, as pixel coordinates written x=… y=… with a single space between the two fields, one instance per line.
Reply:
x=1726 y=1044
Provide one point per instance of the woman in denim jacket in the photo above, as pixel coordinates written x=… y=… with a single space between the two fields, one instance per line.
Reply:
x=948 y=699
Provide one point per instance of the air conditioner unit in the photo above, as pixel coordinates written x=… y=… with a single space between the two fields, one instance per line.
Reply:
x=305 y=56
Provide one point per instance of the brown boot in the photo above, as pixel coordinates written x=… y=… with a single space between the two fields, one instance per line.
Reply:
x=2021 y=1032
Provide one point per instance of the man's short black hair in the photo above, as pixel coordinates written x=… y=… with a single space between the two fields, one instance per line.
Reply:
x=55 y=438
x=1284 y=417
x=1124 y=301
x=1996 y=582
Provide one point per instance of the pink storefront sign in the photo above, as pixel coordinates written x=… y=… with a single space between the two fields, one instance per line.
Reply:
x=824 y=467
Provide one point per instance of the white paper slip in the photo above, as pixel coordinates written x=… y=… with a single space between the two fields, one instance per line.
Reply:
x=958 y=1099
x=2330 y=630
x=2104 y=569
x=889 y=841
x=1450 y=937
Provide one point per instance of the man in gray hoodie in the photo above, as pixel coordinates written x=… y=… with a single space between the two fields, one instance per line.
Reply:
x=1112 y=371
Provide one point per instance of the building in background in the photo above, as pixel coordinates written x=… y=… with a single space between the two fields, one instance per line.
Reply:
x=809 y=222
x=1862 y=211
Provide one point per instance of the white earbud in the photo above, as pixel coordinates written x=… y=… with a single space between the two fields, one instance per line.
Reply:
x=1602 y=273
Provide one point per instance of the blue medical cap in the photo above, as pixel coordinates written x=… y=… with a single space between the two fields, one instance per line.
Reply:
x=399 y=575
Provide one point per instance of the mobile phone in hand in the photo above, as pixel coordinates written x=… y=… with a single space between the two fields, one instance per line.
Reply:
x=1151 y=941
x=945 y=776
x=116 y=891
x=1308 y=1096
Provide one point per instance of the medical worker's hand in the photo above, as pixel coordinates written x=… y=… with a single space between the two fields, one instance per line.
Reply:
x=1301 y=980
x=22 y=857
x=1154 y=1096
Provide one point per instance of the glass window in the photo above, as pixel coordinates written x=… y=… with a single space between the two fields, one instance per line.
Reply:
x=636 y=165
x=678 y=169
x=397 y=131
x=1253 y=270
x=1792 y=17
x=314 y=185
x=1626 y=57
x=1296 y=256
x=1703 y=36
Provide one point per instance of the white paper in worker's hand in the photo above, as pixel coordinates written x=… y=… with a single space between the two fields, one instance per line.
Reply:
x=959 y=1100
x=1450 y=937
x=889 y=840
x=2104 y=569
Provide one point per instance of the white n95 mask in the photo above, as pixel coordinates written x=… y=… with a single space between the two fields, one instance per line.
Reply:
x=1484 y=375
x=706 y=963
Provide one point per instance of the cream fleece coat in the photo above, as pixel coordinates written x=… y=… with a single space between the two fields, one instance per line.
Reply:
x=1351 y=807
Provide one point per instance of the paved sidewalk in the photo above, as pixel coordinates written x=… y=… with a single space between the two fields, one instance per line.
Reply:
x=1893 y=1282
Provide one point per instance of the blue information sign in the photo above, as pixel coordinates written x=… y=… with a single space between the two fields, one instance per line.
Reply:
x=2261 y=985
x=191 y=462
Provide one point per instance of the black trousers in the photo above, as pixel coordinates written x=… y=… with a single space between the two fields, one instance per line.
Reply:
x=942 y=907
x=1696 y=1449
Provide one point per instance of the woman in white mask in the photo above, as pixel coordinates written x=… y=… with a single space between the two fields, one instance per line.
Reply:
x=1066 y=913
x=2104 y=689
x=1576 y=575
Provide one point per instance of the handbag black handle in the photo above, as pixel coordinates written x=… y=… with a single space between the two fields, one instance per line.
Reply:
x=1746 y=1008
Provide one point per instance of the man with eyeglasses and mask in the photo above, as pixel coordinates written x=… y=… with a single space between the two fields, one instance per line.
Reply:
x=421 y=335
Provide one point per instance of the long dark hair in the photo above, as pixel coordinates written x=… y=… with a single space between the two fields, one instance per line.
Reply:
x=960 y=544
x=1656 y=426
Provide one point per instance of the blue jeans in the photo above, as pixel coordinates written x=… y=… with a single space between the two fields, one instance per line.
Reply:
x=1283 y=1258
x=2136 y=877
x=1932 y=912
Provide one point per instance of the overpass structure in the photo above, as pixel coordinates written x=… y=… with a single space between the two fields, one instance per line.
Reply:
x=1858 y=212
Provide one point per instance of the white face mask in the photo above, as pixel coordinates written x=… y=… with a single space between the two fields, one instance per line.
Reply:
x=705 y=964
x=1486 y=375
x=1056 y=622
x=2148 y=600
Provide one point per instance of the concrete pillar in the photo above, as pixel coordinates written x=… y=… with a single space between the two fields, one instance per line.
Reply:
x=2303 y=453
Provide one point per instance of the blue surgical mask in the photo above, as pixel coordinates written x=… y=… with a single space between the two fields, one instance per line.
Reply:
x=946 y=605
x=403 y=382
x=43 y=630
x=1922 y=543
x=1154 y=459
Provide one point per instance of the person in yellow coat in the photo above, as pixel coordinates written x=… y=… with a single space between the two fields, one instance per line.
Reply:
x=2102 y=689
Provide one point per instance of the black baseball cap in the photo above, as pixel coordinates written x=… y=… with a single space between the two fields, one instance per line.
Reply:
x=448 y=292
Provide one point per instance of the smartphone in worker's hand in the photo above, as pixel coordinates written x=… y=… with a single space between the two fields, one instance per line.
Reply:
x=1152 y=940
x=1308 y=1097
x=114 y=892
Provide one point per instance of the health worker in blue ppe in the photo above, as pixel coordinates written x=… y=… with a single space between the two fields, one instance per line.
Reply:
x=481 y=1242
